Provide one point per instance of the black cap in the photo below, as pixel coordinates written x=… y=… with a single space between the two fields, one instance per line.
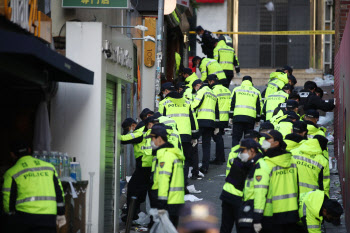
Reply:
x=266 y=125
x=128 y=122
x=199 y=28
x=152 y=119
x=333 y=207
x=277 y=136
x=158 y=130
x=290 y=70
x=198 y=216
x=180 y=85
x=322 y=140
x=212 y=77
x=196 y=58
x=279 y=70
x=312 y=113
x=198 y=81
x=291 y=104
x=187 y=71
x=20 y=148
x=293 y=79
x=145 y=112
x=252 y=134
x=292 y=115
x=287 y=87
x=168 y=86
x=247 y=78
x=310 y=85
x=299 y=127
x=248 y=143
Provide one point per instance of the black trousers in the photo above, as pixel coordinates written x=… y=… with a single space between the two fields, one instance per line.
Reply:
x=229 y=217
x=238 y=128
x=189 y=159
x=138 y=186
x=195 y=161
x=229 y=77
x=246 y=230
x=279 y=228
x=219 y=147
x=26 y=228
x=206 y=145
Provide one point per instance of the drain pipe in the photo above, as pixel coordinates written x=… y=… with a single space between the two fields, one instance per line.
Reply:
x=89 y=223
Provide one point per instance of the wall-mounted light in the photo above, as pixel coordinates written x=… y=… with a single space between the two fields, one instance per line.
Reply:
x=106 y=49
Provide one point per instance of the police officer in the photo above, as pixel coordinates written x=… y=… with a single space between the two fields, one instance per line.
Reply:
x=245 y=108
x=208 y=66
x=310 y=100
x=207 y=41
x=178 y=64
x=226 y=57
x=204 y=104
x=143 y=116
x=33 y=196
x=310 y=118
x=226 y=38
x=285 y=126
x=297 y=137
x=315 y=207
x=221 y=117
x=255 y=191
x=180 y=110
x=280 y=112
x=281 y=209
x=232 y=192
x=189 y=78
x=266 y=127
x=291 y=79
x=168 y=176
x=198 y=217
x=276 y=82
x=272 y=101
x=313 y=167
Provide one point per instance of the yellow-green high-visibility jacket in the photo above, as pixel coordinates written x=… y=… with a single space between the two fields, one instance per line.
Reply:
x=179 y=109
x=174 y=138
x=228 y=187
x=226 y=56
x=146 y=149
x=169 y=175
x=285 y=127
x=276 y=82
x=178 y=62
x=188 y=95
x=275 y=120
x=313 y=167
x=168 y=122
x=204 y=104
x=282 y=197
x=293 y=141
x=272 y=102
x=190 y=79
x=256 y=188
x=32 y=186
x=223 y=105
x=245 y=103
x=313 y=130
x=211 y=66
x=310 y=205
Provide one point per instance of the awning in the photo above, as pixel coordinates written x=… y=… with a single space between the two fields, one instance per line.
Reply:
x=25 y=57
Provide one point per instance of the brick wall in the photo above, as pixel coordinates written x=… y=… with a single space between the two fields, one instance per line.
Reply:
x=341 y=14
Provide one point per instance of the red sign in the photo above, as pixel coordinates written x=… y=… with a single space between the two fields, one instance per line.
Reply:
x=210 y=1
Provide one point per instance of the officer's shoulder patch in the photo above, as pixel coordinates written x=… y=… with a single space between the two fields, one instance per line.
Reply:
x=161 y=164
x=258 y=178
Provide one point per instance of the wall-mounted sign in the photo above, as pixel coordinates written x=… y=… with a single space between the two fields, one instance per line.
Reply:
x=150 y=47
x=185 y=3
x=95 y=3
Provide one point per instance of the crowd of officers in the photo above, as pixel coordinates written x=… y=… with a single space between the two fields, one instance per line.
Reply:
x=277 y=179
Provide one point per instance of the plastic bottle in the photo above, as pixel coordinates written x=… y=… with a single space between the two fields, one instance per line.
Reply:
x=73 y=170
x=78 y=171
x=53 y=159
x=36 y=154
x=45 y=156
x=60 y=164
x=66 y=165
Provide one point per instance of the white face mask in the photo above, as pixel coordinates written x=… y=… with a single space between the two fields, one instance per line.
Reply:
x=266 y=145
x=244 y=157
x=197 y=65
x=131 y=131
x=164 y=95
x=153 y=145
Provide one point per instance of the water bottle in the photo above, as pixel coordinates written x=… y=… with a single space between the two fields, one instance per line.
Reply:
x=53 y=159
x=36 y=154
x=45 y=156
x=60 y=164
x=66 y=165
x=73 y=170
x=78 y=172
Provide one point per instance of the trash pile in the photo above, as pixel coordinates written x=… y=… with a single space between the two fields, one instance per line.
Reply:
x=327 y=80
